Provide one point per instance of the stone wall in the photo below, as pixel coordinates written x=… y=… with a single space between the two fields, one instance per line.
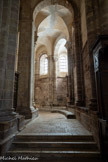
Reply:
x=42 y=92
x=42 y=97
x=97 y=23
x=90 y=122
x=61 y=91
x=49 y=89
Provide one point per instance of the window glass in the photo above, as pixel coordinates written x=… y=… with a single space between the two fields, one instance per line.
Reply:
x=63 y=63
x=43 y=65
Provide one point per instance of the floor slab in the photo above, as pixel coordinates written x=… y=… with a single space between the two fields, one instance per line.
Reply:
x=48 y=123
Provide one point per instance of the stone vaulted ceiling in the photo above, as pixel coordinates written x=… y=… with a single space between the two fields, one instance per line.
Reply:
x=52 y=22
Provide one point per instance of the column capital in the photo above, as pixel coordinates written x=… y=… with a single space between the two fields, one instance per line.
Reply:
x=68 y=45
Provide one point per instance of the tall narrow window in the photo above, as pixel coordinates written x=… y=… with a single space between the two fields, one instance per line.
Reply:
x=43 y=65
x=63 y=63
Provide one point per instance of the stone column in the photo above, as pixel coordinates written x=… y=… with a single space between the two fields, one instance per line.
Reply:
x=32 y=74
x=25 y=59
x=79 y=98
x=70 y=79
x=36 y=78
x=92 y=32
x=51 y=77
x=9 y=18
x=103 y=5
x=55 y=59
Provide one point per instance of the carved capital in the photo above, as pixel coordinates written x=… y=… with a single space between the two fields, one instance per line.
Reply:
x=68 y=45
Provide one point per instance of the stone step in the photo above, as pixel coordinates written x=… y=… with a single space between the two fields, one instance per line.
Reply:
x=57 y=145
x=59 y=159
x=51 y=149
x=52 y=138
x=57 y=154
x=56 y=148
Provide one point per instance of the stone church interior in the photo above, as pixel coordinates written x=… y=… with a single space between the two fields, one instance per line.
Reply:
x=54 y=80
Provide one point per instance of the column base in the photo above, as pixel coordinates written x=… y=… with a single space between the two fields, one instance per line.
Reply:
x=28 y=113
x=104 y=137
x=34 y=112
x=79 y=103
x=6 y=115
x=93 y=104
x=8 y=129
x=21 y=122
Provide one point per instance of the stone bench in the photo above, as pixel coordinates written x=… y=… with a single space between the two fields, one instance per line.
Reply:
x=68 y=114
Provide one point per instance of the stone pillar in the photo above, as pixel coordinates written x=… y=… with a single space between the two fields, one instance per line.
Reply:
x=79 y=98
x=70 y=79
x=54 y=80
x=25 y=58
x=9 y=17
x=32 y=72
x=92 y=20
x=103 y=5
x=51 y=82
x=32 y=66
x=36 y=78
x=92 y=32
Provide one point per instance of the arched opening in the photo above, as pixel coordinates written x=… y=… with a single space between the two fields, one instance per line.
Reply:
x=61 y=57
x=43 y=64
x=52 y=32
x=63 y=63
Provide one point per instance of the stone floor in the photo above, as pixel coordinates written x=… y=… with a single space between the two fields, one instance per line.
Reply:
x=48 y=123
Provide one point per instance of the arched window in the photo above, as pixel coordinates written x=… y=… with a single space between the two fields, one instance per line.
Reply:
x=63 y=63
x=43 y=65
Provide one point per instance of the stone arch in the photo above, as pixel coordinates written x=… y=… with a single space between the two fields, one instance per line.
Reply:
x=59 y=38
x=71 y=6
x=44 y=45
x=62 y=28
x=57 y=41
x=76 y=17
x=38 y=51
x=57 y=54
x=46 y=3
